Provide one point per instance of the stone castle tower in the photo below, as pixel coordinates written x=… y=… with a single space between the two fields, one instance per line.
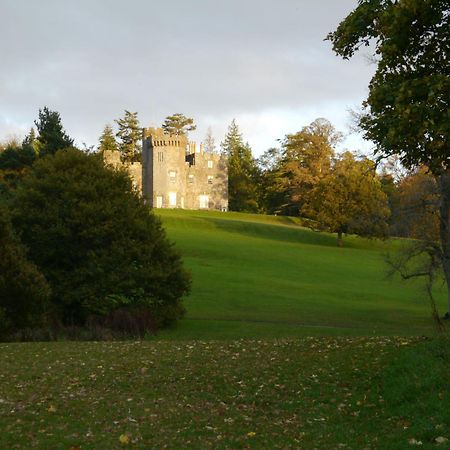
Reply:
x=176 y=174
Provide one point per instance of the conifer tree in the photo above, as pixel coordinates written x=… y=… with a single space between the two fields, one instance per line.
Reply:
x=52 y=136
x=178 y=124
x=242 y=171
x=130 y=135
x=107 y=140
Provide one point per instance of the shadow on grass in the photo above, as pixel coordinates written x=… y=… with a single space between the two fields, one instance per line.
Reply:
x=293 y=234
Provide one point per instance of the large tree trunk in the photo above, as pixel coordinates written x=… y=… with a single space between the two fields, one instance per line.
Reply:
x=444 y=209
x=340 y=243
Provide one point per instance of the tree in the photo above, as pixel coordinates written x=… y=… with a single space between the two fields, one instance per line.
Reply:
x=31 y=143
x=96 y=242
x=130 y=136
x=415 y=206
x=348 y=199
x=107 y=140
x=209 y=143
x=15 y=161
x=178 y=124
x=52 y=136
x=242 y=172
x=406 y=112
x=306 y=158
x=24 y=292
x=273 y=195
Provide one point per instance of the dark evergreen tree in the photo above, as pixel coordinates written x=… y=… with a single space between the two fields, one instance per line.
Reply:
x=15 y=160
x=242 y=172
x=24 y=293
x=52 y=136
x=130 y=137
x=98 y=245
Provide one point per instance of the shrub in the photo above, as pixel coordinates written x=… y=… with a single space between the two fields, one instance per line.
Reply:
x=24 y=292
x=99 y=246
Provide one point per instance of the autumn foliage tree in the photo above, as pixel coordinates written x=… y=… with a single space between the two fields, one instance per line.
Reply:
x=348 y=199
x=306 y=159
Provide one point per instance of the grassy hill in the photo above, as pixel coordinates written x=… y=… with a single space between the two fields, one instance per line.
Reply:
x=259 y=277
x=266 y=276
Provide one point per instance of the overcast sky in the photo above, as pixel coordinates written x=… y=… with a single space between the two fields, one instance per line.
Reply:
x=263 y=62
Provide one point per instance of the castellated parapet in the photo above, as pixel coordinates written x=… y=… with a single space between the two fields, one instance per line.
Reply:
x=175 y=173
x=178 y=174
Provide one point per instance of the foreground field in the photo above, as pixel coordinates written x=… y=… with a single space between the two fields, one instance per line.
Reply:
x=265 y=276
x=324 y=393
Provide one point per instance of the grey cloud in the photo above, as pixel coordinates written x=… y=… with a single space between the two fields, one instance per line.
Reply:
x=92 y=59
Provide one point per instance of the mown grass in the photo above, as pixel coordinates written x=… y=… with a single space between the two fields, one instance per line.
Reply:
x=311 y=393
x=266 y=276
x=313 y=371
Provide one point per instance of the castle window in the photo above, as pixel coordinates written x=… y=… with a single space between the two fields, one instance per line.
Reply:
x=172 y=199
x=203 y=201
x=159 y=201
x=210 y=164
x=210 y=179
x=190 y=179
x=172 y=176
x=160 y=156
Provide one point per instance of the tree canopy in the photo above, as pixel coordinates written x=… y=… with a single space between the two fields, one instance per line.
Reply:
x=130 y=136
x=107 y=140
x=98 y=245
x=242 y=172
x=407 y=112
x=24 y=292
x=178 y=124
x=51 y=135
x=348 y=199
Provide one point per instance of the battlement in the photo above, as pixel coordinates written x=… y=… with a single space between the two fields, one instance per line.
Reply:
x=156 y=137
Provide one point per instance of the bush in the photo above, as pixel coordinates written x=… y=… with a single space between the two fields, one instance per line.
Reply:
x=99 y=246
x=24 y=292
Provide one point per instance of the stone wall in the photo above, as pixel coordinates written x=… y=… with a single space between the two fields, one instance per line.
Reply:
x=112 y=158
x=177 y=174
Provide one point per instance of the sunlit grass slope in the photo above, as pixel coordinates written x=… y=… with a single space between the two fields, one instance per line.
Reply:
x=256 y=276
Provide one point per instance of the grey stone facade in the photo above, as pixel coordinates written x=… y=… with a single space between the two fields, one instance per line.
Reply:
x=177 y=174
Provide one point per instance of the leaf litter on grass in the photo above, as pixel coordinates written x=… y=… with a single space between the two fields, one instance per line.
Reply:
x=288 y=393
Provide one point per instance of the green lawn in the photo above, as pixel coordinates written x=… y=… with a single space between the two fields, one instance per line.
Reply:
x=342 y=385
x=266 y=276
x=310 y=393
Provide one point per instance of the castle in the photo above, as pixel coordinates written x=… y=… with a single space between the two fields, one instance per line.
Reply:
x=174 y=173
